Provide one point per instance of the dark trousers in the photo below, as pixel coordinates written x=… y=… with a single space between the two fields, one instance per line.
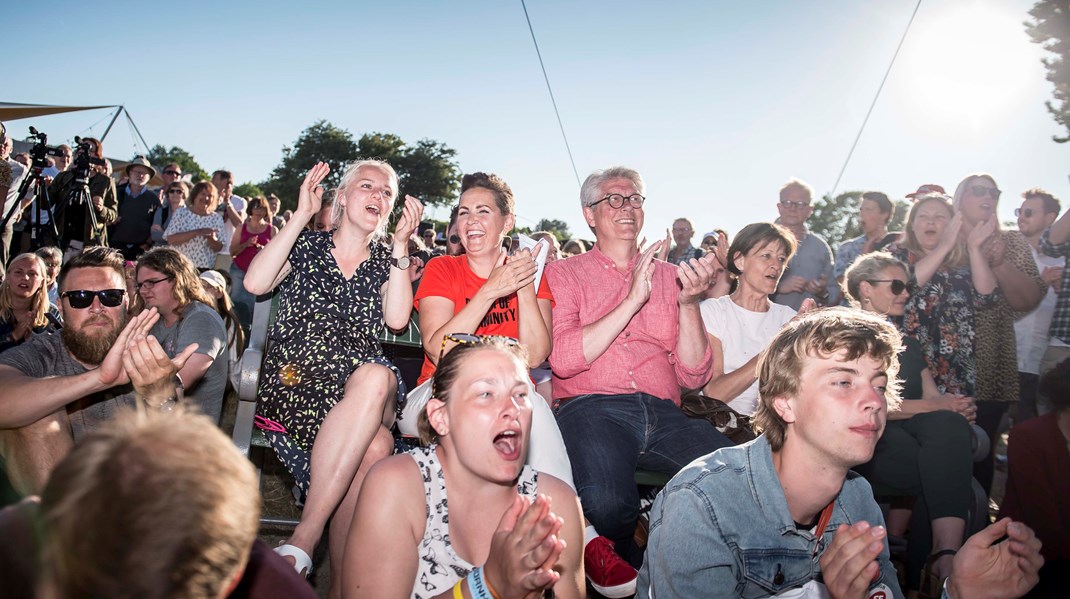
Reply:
x=609 y=437
x=989 y=414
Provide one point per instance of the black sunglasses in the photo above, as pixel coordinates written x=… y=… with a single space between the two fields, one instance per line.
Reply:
x=897 y=286
x=455 y=239
x=1026 y=212
x=176 y=191
x=81 y=299
x=175 y=173
x=467 y=339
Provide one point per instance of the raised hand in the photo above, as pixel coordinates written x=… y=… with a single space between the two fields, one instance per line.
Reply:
x=980 y=234
x=850 y=562
x=149 y=369
x=310 y=198
x=792 y=284
x=951 y=233
x=524 y=550
x=663 y=252
x=817 y=285
x=510 y=274
x=410 y=219
x=111 y=371
x=643 y=275
x=992 y=568
x=721 y=251
x=695 y=276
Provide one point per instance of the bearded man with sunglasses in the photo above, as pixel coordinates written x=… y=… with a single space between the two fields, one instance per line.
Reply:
x=54 y=389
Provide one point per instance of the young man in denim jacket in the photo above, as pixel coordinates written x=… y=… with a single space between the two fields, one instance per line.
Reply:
x=783 y=515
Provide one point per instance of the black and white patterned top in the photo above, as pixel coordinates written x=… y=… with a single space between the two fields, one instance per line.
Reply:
x=325 y=328
x=440 y=566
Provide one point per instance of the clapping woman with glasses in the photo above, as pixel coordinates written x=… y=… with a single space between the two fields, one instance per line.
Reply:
x=24 y=306
x=327 y=394
x=506 y=530
x=926 y=449
x=487 y=291
x=197 y=229
x=174 y=200
x=1020 y=288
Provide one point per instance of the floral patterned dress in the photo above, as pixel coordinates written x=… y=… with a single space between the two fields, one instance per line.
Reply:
x=941 y=316
x=325 y=328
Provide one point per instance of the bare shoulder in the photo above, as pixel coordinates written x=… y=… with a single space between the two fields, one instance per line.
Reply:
x=556 y=489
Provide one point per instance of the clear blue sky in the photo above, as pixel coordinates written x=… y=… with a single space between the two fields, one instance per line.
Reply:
x=717 y=103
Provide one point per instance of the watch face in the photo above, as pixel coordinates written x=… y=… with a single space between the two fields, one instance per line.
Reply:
x=402 y=262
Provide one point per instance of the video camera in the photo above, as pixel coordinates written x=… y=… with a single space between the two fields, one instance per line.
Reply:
x=40 y=151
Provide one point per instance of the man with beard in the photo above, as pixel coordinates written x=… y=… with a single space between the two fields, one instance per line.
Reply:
x=56 y=388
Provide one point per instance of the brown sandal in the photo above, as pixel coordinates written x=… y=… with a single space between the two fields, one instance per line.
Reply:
x=932 y=586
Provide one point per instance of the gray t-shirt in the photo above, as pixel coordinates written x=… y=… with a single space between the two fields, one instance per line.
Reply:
x=812 y=259
x=45 y=355
x=202 y=325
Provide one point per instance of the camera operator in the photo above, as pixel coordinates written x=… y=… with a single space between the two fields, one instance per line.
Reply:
x=72 y=219
x=11 y=175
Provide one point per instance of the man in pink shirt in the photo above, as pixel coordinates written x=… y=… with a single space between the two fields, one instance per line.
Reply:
x=627 y=337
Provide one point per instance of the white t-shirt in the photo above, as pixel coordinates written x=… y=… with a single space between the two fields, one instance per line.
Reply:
x=1031 y=330
x=743 y=334
x=239 y=204
x=18 y=173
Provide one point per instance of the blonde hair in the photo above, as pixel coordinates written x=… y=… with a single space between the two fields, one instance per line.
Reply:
x=348 y=178
x=821 y=333
x=152 y=506
x=957 y=256
x=39 y=303
x=866 y=268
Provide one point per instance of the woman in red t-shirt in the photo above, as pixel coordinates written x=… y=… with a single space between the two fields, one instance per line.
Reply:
x=487 y=292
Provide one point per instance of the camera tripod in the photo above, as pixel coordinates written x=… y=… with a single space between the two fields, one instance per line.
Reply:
x=38 y=230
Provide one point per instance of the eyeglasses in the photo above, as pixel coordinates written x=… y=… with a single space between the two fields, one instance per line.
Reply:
x=616 y=201
x=176 y=191
x=173 y=173
x=467 y=339
x=981 y=191
x=1026 y=212
x=896 y=286
x=150 y=283
x=791 y=204
x=82 y=298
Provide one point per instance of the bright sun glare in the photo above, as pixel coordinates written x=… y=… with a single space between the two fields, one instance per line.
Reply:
x=963 y=69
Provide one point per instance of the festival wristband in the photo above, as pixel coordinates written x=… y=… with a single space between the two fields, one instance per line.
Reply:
x=477 y=586
x=457 y=594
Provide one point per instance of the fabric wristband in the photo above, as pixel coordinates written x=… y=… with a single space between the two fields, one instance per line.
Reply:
x=477 y=586
x=457 y=594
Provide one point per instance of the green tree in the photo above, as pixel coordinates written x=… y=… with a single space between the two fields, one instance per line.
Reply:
x=558 y=227
x=427 y=170
x=836 y=219
x=1050 y=27
x=899 y=216
x=160 y=156
x=321 y=142
x=248 y=190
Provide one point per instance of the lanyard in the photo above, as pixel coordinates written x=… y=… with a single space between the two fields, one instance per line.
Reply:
x=822 y=523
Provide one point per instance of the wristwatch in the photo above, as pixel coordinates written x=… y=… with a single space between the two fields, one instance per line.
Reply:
x=402 y=262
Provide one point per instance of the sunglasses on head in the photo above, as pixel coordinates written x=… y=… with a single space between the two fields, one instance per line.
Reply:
x=981 y=191
x=81 y=299
x=467 y=339
x=897 y=286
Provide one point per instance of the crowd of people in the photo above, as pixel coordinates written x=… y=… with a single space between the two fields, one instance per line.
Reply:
x=874 y=376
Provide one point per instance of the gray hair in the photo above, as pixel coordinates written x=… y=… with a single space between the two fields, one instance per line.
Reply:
x=348 y=177
x=866 y=268
x=793 y=182
x=591 y=191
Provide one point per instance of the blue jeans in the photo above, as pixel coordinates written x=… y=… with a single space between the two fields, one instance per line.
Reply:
x=609 y=437
x=243 y=300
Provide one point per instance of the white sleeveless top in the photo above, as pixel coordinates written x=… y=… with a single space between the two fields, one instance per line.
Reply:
x=743 y=334
x=440 y=567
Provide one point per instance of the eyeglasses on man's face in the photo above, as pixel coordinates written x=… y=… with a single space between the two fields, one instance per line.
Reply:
x=616 y=201
x=793 y=205
x=150 y=283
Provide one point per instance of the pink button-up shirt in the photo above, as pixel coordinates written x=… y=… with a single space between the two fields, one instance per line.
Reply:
x=643 y=356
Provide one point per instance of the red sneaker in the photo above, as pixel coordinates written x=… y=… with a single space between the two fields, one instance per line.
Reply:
x=609 y=574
